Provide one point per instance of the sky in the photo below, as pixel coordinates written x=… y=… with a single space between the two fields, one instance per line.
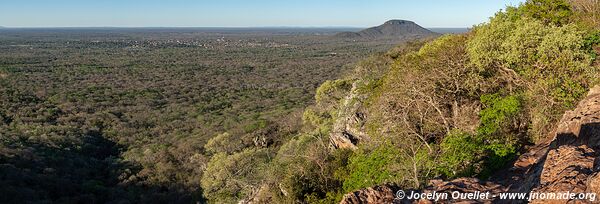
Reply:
x=245 y=13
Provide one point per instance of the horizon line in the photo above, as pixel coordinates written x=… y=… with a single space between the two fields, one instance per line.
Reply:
x=220 y=27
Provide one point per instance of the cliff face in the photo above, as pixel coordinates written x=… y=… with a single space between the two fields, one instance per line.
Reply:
x=570 y=160
x=348 y=129
x=567 y=162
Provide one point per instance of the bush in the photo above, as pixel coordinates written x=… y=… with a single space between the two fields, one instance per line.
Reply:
x=556 y=12
x=549 y=64
x=332 y=91
x=224 y=143
x=460 y=152
x=304 y=170
x=590 y=42
x=320 y=121
x=371 y=168
x=500 y=129
x=498 y=113
x=493 y=144
x=230 y=178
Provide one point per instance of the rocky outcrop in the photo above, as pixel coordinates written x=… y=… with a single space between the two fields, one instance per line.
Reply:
x=388 y=193
x=567 y=162
x=570 y=164
x=377 y=194
x=348 y=128
x=462 y=185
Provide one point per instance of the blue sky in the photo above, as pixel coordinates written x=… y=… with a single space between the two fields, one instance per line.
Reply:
x=244 y=13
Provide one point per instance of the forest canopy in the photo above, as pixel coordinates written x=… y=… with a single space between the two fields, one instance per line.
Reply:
x=151 y=120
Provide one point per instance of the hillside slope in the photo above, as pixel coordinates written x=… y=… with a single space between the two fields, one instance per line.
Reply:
x=459 y=108
x=563 y=163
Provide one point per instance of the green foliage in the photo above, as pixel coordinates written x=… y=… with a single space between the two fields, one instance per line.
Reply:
x=499 y=154
x=484 y=47
x=591 y=40
x=497 y=114
x=549 y=64
x=319 y=120
x=567 y=91
x=521 y=43
x=493 y=145
x=556 y=12
x=230 y=178
x=332 y=90
x=497 y=129
x=371 y=168
x=438 y=45
x=256 y=125
x=460 y=152
x=223 y=143
x=305 y=169
x=328 y=97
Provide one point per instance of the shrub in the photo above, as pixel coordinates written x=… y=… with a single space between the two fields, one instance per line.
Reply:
x=371 y=168
x=223 y=143
x=493 y=144
x=460 y=151
x=499 y=127
x=549 y=64
x=556 y=12
x=498 y=113
x=332 y=91
x=230 y=178
x=305 y=170
x=591 y=40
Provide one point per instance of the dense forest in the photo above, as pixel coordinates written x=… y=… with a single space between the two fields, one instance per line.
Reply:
x=230 y=118
x=97 y=116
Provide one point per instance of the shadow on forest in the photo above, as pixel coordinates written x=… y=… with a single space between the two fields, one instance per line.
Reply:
x=88 y=172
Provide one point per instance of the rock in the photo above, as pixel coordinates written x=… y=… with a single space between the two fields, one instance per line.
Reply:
x=462 y=185
x=570 y=160
x=348 y=128
x=377 y=194
x=343 y=140
x=387 y=193
x=593 y=183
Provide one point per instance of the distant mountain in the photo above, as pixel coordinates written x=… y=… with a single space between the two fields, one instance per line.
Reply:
x=390 y=29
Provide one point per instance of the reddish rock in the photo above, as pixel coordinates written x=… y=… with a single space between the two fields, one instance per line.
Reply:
x=377 y=194
x=593 y=183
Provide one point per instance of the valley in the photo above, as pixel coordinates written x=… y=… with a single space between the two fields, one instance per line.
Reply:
x=124 y=114
x=250 y=115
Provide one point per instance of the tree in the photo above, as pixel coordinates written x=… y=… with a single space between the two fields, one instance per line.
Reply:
x=230 y=178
